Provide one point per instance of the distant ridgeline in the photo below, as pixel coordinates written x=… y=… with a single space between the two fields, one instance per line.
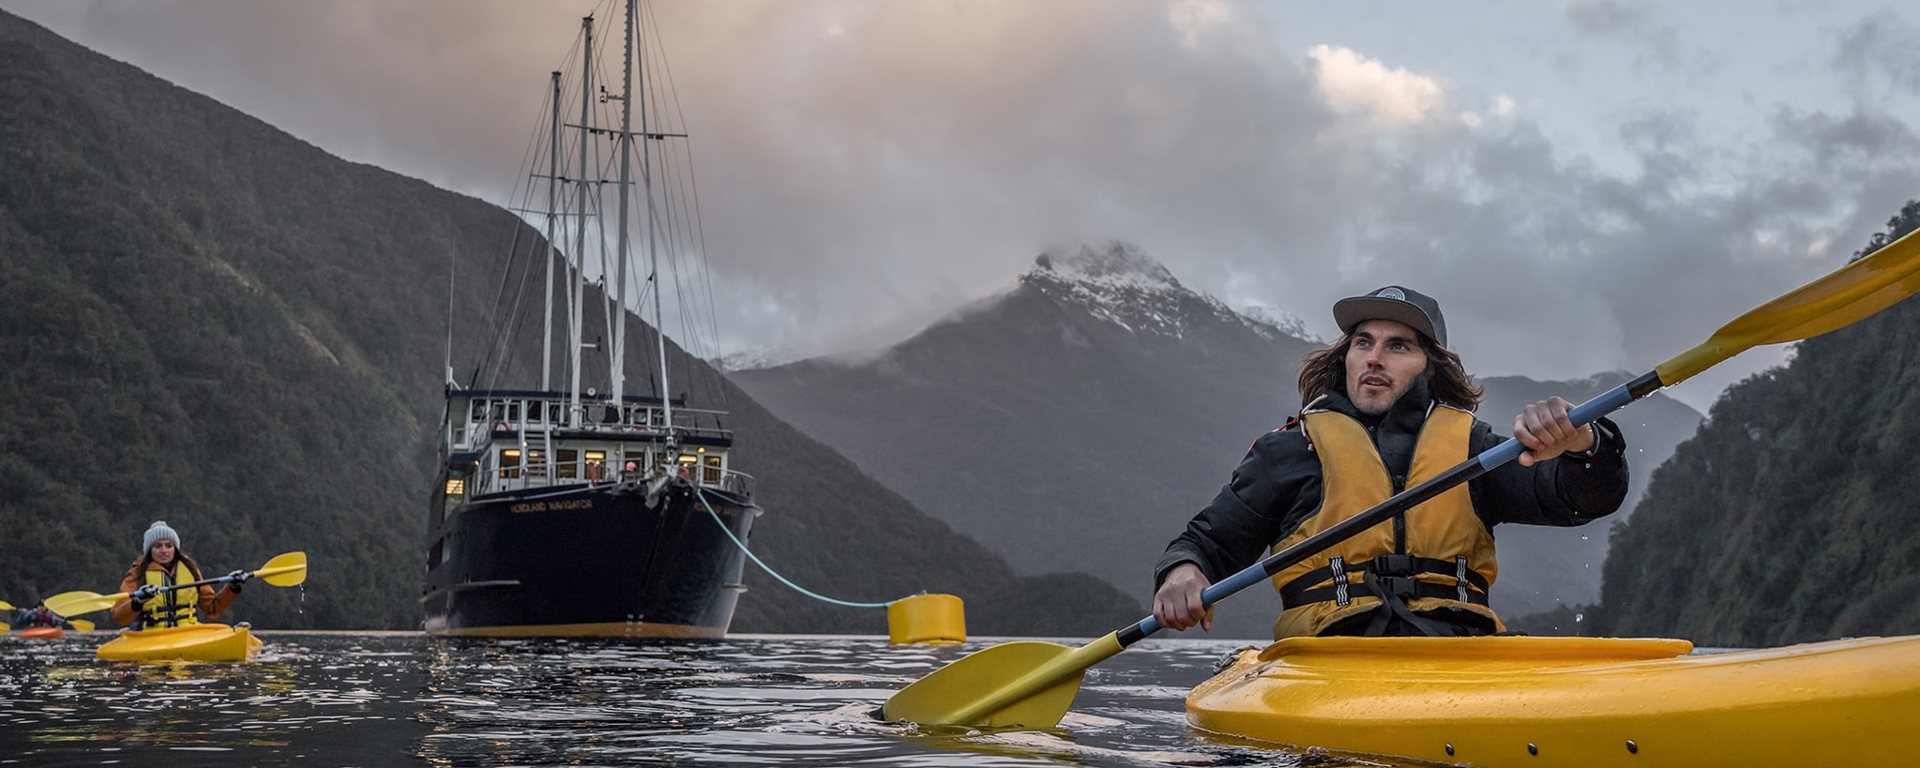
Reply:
x=1791 y=516
x=211 y=322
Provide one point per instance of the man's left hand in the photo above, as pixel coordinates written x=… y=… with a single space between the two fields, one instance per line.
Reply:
x=1546 y=431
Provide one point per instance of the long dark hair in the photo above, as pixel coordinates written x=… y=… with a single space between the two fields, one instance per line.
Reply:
x=1325 y=370
x=146 y=558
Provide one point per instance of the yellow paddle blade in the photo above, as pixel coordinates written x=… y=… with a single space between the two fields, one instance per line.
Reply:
x=285 y=570
x=6 y=606
x=76 y=603
x=81 y=625
x=938 y=698
x=1025 y=684
x=5 y=627
x=1844 y=297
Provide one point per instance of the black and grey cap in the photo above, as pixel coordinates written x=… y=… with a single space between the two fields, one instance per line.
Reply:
x=1401 y=305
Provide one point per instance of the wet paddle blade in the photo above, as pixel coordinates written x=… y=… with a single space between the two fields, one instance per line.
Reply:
x=81 y=625
x=6 y=606
x=76 y=603
x=943 y=697
x=1842 y=298
x=1014 y=685
x=286 y=570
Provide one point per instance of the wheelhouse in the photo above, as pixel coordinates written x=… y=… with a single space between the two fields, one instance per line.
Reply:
x=500 y=440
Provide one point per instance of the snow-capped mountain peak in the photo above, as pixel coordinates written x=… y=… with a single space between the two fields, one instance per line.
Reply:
x=1120 y=283
x=1268 y=321
x=1117 y=265
x=753 y=359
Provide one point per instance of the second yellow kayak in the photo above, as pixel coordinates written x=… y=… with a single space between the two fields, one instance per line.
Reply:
x=1564 y=701
x=194 y=642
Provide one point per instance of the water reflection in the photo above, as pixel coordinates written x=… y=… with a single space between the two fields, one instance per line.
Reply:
x=351 y=699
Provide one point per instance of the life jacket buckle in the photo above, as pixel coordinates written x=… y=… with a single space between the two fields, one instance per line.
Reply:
x=1403 y=587
x=1393 y=565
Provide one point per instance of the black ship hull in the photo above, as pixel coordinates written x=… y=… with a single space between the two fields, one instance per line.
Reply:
x=590 y=561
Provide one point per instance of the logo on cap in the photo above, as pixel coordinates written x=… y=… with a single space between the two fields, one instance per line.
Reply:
x=1391 y=292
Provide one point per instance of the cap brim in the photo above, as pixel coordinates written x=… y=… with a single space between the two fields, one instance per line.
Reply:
x=1359 y=309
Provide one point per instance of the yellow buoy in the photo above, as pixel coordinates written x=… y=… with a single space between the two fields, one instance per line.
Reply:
x=939 y=619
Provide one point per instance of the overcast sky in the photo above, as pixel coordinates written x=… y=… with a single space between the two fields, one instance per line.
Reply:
x=1585 y=186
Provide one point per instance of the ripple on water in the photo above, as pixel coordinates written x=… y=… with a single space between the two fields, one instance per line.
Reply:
x=336 y=699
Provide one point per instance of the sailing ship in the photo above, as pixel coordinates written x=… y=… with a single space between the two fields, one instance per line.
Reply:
x=582 y=509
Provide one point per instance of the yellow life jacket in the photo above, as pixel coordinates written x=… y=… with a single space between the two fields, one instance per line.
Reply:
x=1447 y=561
x=170 y=608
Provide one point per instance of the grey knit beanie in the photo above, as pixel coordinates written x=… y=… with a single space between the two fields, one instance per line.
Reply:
x=155 y=533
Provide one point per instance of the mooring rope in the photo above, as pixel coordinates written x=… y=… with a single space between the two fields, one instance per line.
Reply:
x=775 y=574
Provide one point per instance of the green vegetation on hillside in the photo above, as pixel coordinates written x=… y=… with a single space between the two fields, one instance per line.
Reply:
x=1788 y=517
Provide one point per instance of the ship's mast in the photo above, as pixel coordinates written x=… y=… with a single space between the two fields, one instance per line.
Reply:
x=580 y=249
x=626 y=159
x=553 y=203
x=653 y=258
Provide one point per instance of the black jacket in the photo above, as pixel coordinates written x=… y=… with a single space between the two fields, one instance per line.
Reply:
x=1277 y=486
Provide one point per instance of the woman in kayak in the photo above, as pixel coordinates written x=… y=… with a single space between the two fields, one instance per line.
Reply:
x=152 y=602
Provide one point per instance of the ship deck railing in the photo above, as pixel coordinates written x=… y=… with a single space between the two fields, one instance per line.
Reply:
x=492 y=478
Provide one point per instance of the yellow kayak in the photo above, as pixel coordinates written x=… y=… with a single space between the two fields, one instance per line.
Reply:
x=194 y=642
x=1566 y=701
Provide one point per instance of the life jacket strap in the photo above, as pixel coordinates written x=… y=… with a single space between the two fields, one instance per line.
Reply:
x=1394 y=592
x=1396 y=572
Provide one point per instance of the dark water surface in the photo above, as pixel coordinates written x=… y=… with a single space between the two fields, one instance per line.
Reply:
x=336 y=699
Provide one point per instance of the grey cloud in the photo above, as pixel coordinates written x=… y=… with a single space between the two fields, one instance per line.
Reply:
x=1879 y=46
x=868 y=165
x=1662 y=48
x=1606 y=17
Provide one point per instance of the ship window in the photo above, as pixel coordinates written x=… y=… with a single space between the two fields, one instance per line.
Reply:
x=556 y=413
x=510 y=462
x=711 y=473
x=499 y=410
x=596 y=465
x=456 y=487
x=536 y=463
x=513 y=411
x=569 y=465
x=478 y=411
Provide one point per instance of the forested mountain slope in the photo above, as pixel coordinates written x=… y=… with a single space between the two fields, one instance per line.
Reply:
x=1791 y=515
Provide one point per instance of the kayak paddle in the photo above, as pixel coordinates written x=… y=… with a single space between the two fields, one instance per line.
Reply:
x=80 y=625
x=6 y=606
x=1030 y=684
x=284 y=570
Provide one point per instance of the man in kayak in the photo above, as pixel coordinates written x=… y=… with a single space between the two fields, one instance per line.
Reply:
x=38 y=616
x=151 y=604
x=1387 y=406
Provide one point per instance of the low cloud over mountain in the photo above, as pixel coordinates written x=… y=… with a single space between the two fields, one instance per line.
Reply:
x=1079 y=417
